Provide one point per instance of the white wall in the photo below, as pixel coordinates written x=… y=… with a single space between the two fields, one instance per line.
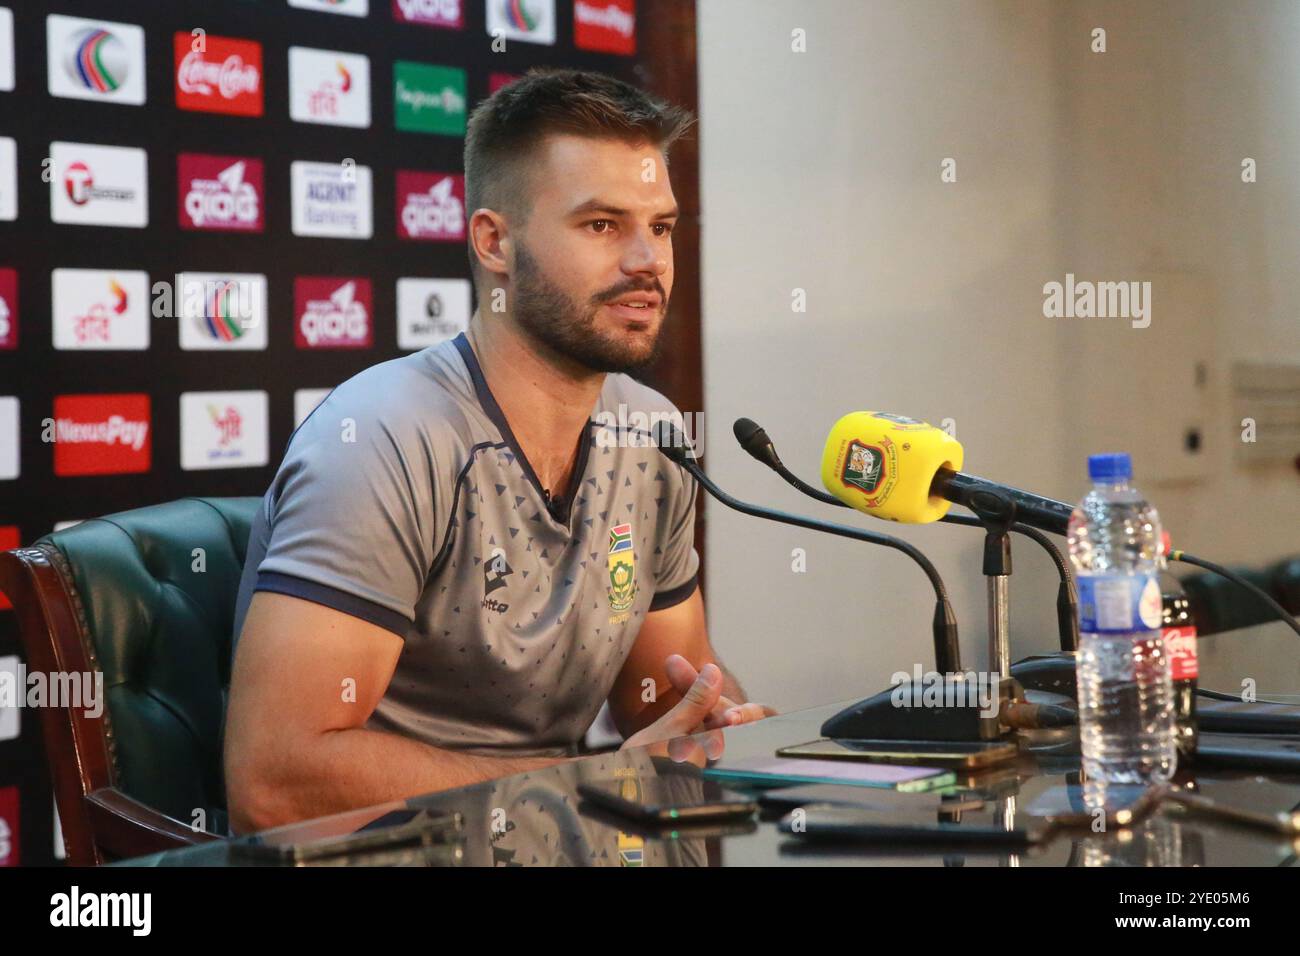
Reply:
x=820 y=171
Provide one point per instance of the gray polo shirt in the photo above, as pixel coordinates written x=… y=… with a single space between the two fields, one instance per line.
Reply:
x=404 y=500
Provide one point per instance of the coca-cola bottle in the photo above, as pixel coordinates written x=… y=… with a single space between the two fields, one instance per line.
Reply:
x=1180 y=646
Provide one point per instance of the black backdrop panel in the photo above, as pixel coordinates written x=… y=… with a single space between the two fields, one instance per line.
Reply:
x=32 y=245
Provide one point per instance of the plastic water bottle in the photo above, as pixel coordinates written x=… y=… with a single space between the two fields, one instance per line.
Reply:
x=1126 y=716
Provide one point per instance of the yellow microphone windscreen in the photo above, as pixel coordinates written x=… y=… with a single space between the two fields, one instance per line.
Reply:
x=884 y=464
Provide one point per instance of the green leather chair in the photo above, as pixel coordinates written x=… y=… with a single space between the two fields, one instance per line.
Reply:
x=131 y=595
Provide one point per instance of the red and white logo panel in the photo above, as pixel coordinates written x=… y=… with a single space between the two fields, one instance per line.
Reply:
x=220 y=193
x=8 y=309
x=102 y=434
x=449 y=14
x=8 y=540
x=9 y=828
x=605 y=25
x=332 y=313
x=218 y=74
x=430 y=206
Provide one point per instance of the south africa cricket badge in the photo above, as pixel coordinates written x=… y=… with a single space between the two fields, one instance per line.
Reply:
x=622 y=568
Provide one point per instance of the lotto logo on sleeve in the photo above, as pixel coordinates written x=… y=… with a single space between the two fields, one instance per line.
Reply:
x=605 y=25
x=329 y=86
x=218 y=74
x=348 y=8
x=431 y=13
x=99 y=185
x=430 y=311
x=223 y=430
x=430 y=205
x=95 y=59
x=220 y=193
x=532 y=21
x=8 y=437
x=332 y=313
x=222 y=310
x=331 y=199
x=100 y=309
x=102 y=434
x=8 y=309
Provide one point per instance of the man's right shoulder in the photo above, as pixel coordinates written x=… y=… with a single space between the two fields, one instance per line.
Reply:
x=418 y=397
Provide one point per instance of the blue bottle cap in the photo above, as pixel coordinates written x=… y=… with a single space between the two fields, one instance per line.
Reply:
x=1110 y=467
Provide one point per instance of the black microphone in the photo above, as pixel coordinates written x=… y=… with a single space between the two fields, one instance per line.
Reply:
x=978 y=494
x=754 y=439
x=675 y=447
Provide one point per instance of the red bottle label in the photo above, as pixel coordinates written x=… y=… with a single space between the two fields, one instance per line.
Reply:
x=1180 y=645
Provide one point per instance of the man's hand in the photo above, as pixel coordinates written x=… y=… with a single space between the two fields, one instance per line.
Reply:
x=726 y=712
x=700 y=697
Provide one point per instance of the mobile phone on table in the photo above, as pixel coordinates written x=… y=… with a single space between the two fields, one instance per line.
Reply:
x=660 y=801
x=967 y=754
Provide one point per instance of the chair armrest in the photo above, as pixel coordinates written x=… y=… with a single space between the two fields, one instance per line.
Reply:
x=125 y=828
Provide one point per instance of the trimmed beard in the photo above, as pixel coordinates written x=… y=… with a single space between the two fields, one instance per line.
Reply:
x=549 y=314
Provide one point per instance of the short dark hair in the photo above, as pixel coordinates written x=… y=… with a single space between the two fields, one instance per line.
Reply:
x=505 y=130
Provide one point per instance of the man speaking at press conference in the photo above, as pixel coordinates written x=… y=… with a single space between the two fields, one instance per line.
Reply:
x=460 y=557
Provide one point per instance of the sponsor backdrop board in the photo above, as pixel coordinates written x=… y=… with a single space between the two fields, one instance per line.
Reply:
x=280 y=181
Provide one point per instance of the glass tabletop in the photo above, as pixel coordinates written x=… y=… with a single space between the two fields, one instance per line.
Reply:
x=539 y=818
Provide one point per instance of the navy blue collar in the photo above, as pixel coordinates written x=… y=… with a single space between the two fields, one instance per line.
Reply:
x=560 y=508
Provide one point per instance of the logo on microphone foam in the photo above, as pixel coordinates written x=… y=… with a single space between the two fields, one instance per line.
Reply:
x=864 y=466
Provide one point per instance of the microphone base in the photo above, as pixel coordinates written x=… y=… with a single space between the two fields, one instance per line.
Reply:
x=947 y=707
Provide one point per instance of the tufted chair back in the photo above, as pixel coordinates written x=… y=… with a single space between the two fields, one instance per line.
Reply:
x=146 y=597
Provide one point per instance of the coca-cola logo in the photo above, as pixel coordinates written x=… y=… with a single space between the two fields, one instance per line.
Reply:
x=218 y=74
x=231 y=77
